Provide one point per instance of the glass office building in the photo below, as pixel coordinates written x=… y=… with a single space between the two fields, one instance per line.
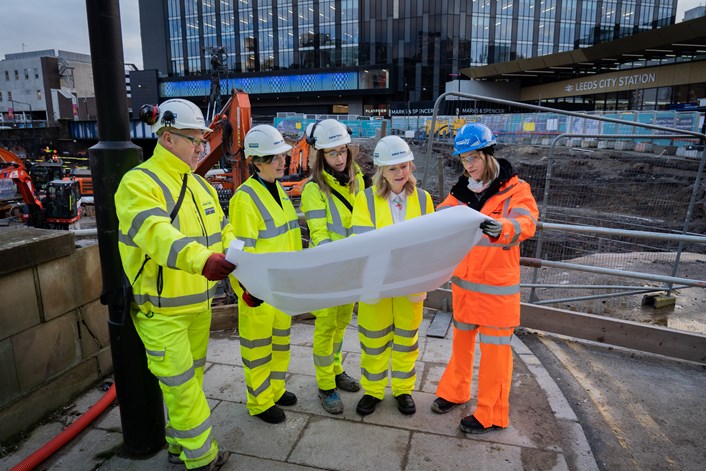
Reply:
x=355 y=55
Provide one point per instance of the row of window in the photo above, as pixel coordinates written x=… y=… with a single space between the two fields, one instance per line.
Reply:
x=25 y=72
x=28 y=92
x=658 y=98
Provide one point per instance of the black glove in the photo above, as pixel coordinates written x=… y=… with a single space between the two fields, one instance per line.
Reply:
x=491 y=228
x=249 y=299
x=217 y=267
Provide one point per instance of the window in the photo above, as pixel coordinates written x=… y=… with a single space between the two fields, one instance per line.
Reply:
x=17 y=75
x=39 y=95
x=36 y=73
x=0 y=96
x=9 y=96
x=26 y=71
x=7 y=75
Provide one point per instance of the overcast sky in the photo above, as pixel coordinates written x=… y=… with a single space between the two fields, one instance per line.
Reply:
x=34 y=25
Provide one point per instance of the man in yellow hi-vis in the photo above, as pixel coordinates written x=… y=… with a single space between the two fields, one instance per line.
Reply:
x=172 y=235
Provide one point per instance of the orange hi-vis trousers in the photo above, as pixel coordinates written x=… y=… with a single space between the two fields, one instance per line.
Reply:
x=494 y=372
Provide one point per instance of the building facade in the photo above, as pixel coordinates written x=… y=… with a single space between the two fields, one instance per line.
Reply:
x=363 y=56
x=40 y=87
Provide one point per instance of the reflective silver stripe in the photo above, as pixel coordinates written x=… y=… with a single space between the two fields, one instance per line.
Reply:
x=201 y=362
x=177 y=246
x=519 y=212
x=361 y=229
x=247 y=241
x=259 y=362
x=224 y=222
x=281 y=332
x=315 y=214
x=421 y=196
x=518 y=230
x=280 y=375
x=337 y=346
x=376 y=334
x=502 y=192
x=485 y=289
x=176 y=301
x=177 y=380
x=125 y=239
x=263 y=387
x=191 y=433
x=373 y=376
x=370 y=198
x=405 y=348
x=494 y=339
x=203 y=182
x=506 y=206
x=485 y=242
x=446 y=206
x=323 y=360
x=405 y=333
x=464 y=326
x=280 y=348
x=337 y=229
x=404 y=374
x=141 y=217
x=155 y=353
x=324 y=241
x=199 y=452
x=271 y=230
x=375 y=350
x=167 y=194
x=255 y=343
x=336 y=225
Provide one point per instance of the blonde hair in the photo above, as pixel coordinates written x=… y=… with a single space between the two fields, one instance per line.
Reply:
x=383 y=188
x=317 y=169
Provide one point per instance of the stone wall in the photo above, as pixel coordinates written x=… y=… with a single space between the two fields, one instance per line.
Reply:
x=54 y=340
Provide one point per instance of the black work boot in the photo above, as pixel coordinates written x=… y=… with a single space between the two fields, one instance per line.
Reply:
x=347 y=383
x=216 y=464
x=287 y=399
x=405 y=404
x=366 y=405
x=442 y=406
x=470 y=424
x=273 y=415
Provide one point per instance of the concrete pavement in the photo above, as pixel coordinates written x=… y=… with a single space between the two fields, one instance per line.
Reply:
x=544 y=432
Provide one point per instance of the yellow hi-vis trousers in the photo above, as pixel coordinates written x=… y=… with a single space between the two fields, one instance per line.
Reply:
x=494 y=371
x=389 y=330
x=176 y=354
x=329 y=329
x=264 y=346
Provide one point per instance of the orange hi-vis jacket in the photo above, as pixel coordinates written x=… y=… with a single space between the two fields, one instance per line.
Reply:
x=486 y=284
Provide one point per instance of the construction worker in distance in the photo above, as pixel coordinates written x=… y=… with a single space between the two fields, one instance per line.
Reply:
x=265 y=220
x=327 y=203
x=486 y=284
x=388 y=330
x=172 y=235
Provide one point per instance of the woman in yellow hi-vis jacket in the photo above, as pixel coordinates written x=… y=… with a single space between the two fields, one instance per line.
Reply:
x=172 y=235
x=388 y=329
x=327 y=202
x=265 y=220
x=486 y=284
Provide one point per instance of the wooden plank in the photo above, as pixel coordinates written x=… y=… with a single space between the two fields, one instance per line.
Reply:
x=439 y=325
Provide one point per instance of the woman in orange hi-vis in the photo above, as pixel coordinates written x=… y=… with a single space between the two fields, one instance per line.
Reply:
x=486 y=284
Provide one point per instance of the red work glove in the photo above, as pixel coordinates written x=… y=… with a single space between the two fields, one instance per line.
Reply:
x=249 y=299
x=217 y=267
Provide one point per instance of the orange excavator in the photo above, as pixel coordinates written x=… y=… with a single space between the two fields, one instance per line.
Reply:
x=58 y=208
x=226 y=143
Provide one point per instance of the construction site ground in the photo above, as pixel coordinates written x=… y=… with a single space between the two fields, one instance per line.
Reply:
x=575 y=405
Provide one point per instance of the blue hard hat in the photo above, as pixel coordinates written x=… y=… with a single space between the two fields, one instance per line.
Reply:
x=473 y=136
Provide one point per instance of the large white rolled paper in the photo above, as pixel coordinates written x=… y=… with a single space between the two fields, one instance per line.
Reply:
x=410 y=257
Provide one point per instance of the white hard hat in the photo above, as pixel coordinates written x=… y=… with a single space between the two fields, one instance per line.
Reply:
x=179 y=114
x=392 y=150
x=328 y=134
x=263 y=140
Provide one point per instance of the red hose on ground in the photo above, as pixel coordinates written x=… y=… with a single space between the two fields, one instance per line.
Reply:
x=53 y=445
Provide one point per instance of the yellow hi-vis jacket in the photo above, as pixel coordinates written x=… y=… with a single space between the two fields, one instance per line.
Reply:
x=326 y=215
x=371 y=211
x=145 y=198
x=261 y=223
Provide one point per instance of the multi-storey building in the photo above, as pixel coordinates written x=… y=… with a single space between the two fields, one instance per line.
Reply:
x=356 y=56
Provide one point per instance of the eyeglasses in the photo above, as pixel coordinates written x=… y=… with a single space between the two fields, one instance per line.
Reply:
x=195 y=141
x=470 y=158
x=337 y=153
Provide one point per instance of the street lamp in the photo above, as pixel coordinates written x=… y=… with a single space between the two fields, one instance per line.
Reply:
x=13 y=101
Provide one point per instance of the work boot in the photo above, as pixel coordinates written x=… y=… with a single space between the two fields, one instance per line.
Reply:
x=331 y=401
x=366 y=405
x=174 y=458
x=216 y=464
x=405 y=404
x=346 y=383
x=287 y=399
x=273 y=415
x=442 y=406
x=470 y=424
